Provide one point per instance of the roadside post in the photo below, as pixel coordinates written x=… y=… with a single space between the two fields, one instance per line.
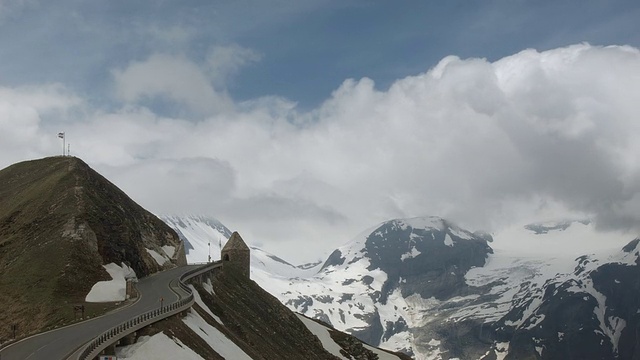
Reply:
x=76 y=309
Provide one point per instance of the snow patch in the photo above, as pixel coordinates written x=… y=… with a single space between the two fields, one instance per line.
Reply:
x=214 y=338
x=382 y=355
x=169 y=250
x=160 y=259
x=460 y=233
x=410 y=255
x=322 y=333
x=617 y=325
x=430 y=222
x=198 y=300
x=448 y=240
x=208 y=287
x=114 y=289
x=158 y=346
x=502 y=349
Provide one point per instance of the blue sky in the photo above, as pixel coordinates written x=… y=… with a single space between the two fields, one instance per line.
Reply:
x=305 y=122
x=305 y=48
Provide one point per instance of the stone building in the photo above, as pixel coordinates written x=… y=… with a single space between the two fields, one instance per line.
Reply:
x=235 y=255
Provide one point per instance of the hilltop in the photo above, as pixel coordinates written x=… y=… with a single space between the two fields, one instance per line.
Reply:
x=60 y=221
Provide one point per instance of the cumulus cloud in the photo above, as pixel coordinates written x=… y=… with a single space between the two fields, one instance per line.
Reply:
x=27 y=118
x=529 y=137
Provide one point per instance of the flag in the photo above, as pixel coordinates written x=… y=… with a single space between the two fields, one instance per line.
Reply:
x=61 y=135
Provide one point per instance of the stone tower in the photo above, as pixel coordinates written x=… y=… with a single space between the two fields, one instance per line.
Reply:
x=235 y=255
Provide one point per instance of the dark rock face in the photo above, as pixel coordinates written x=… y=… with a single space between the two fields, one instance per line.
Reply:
x=371 y=334
x=438 y=269
x=593 y=313
x=335 y=259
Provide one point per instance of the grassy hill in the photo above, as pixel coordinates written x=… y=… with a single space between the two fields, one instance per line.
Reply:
x=59 y=222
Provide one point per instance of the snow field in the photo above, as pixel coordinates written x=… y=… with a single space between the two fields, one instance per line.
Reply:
x=200 y=235
x=158 y=346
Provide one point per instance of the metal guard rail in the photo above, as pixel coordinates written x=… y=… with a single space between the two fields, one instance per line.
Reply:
x=93 y=348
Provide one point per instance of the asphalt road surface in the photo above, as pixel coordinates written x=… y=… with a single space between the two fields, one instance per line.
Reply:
x=57 y=344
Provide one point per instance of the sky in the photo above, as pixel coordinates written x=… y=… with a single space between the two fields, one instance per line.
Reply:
x=302 y=123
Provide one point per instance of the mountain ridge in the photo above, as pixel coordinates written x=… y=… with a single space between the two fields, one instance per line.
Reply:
x=490 y=304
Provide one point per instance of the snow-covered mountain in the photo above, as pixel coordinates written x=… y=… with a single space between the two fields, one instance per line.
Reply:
x=431 y=289
x=202 y=236
x=377 y=286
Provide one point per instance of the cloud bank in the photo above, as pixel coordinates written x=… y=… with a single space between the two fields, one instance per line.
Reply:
x=532 y=136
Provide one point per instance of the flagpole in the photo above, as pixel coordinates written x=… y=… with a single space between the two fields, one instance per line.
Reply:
x=62 y=136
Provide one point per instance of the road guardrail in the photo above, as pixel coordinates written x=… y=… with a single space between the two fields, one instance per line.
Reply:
x=94 y=347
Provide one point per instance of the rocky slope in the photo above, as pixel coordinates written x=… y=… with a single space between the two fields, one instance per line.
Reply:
x=59 y=222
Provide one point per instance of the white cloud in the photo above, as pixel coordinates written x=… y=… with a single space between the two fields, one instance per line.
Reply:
x=172 y=78
x=25 y=113
x=226 y=61
x=534 y=135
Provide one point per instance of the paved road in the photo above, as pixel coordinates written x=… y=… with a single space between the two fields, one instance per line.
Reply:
x=59 y=343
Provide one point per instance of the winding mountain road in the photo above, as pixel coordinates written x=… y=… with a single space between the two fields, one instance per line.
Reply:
x=60 y=343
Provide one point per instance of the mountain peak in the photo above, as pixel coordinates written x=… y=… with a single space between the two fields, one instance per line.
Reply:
x=397 y=241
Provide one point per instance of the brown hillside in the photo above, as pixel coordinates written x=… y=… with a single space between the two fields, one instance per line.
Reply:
x=59 y=222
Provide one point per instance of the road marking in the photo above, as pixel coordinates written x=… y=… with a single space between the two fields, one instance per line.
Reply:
x=40 y=348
